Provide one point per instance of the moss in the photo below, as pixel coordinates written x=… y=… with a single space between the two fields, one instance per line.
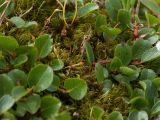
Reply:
x=114 y=101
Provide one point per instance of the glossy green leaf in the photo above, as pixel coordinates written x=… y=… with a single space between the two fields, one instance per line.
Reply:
x=3 y=63
x=44 y=45
x=138 y=102
x=57 y=64
x=8 y=43
x=31 y=24
x=41 y=76
x=124 y=53
x=150 y=55
x=55 y=84
x=153 y=39
x=147 y=74
x=6 y=84
x=100 y=20
x=63 y=116
x=77 y=88
x=97 y=112
x=31 y=52
x=18 y=22
x=18 y=76
x=99 y=71
x=9 y=116
x=20 y=60
x=156 y=109
x=18 y=92
x=116 y=4
x=89 y=52
x=152 y=20
x=124 y=17
x=137 y=92
x=148 y=32
x=150 y=91
x=156 y=82
x=112 y=12
x=127 y=71
x=6 y=102
x=115 y=115
x=115 y=64
x=87 y=9
x=138 y=115
x=49 y=106
x=152 y=5
x=32 y=103
x=139 y=47
x=107 y=86
x=110 y=32
x=20 y=110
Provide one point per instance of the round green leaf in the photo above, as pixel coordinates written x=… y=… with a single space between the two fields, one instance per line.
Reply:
x=32 y=103
x=127 y=71
x=97 y=112
x=110 y=32
x=55 y=84
x=115 y=64
x=6 y=102
x=115 y=115
x=63 y=116
x=107 y=85
x=57 y=64
x=44 y=45
x=152 y=5
x=18 y=76
x=147 y=74
x=49 y=106
x=31 y=24
x=18 y=92
x=18 y=22
x=148 y=32
x=31 y=52
x=156 y=108
x=6 y=85
x=21 y=59
x=77 y=88
x=87 y=9
x=153 y=39
x=156 y=83
x=41 y=76
x=139 y=48
x=138 y=102
x=8 y=43
x=138 y=115
x=124 y=53
x=8 y=116
x=150 y=54
x=151 y=19
x=124 y=17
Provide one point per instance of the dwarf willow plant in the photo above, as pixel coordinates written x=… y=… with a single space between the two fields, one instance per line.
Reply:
x=29 y=84
x=129 y=56
x=20 y=90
